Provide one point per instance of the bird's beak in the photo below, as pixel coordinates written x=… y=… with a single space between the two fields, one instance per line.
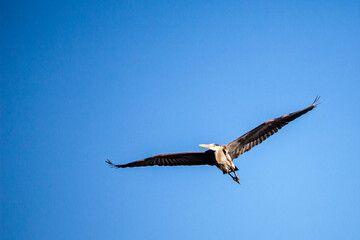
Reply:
x=205 y=145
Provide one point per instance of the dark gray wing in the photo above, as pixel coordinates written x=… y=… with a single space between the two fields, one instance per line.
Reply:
x=262 y=132
x=175 y=159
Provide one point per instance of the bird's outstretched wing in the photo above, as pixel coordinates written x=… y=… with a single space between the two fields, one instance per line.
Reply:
x=262 y=132
x=175 y=159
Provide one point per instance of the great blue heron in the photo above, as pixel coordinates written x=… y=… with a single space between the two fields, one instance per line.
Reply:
x=222 y=156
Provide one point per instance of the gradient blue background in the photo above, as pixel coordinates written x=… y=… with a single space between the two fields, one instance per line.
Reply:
x=82 y=81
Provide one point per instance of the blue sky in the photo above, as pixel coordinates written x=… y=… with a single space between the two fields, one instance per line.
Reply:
x=89 y=80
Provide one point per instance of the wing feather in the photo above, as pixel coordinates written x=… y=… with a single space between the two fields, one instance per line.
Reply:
x=175 y=159
x=263 y=131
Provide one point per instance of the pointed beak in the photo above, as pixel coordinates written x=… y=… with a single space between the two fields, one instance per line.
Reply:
x=205 y=145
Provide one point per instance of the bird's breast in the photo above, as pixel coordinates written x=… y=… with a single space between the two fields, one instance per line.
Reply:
x=223 y=161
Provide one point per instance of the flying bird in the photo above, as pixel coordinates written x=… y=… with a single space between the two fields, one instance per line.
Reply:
x=222 y=156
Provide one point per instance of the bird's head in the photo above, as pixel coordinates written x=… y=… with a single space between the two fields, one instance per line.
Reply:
x=211 y=146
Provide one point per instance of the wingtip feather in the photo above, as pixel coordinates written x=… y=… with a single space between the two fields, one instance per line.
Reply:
x=316 y=101
x=110 y=163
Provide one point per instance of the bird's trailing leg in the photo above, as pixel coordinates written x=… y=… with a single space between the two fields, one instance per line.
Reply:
x=235 y=178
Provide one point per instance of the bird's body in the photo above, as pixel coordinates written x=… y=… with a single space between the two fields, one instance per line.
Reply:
x=223 y=160
x=222 y=156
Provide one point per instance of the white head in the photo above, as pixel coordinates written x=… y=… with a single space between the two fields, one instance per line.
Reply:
x=211 y=146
